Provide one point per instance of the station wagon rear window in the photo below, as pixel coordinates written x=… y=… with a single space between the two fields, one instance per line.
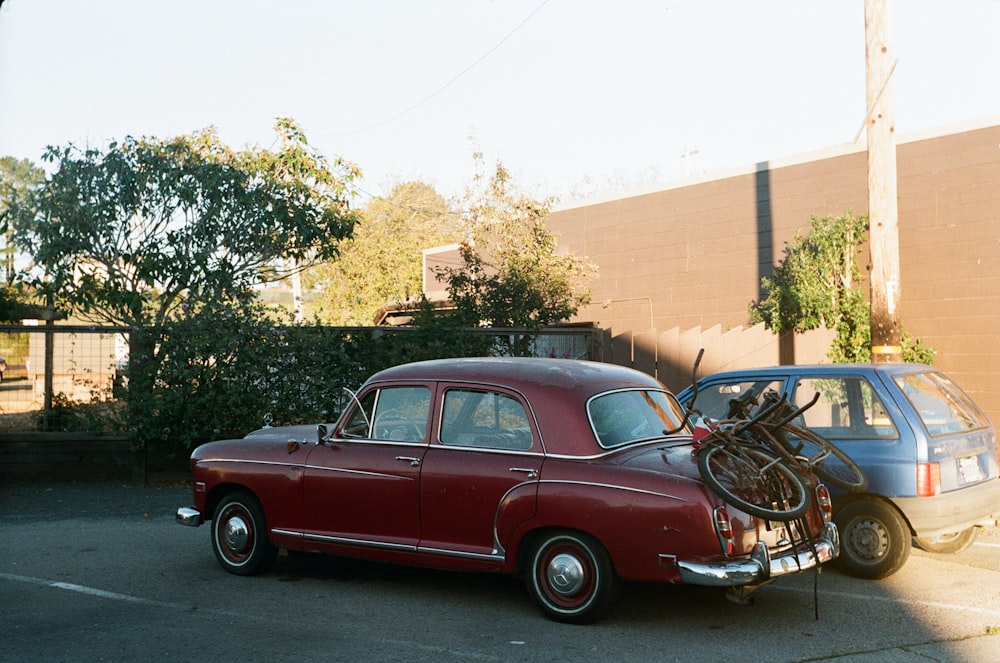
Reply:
x=941 y=405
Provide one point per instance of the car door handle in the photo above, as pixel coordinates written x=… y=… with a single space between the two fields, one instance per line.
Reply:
x=531 y=472
x=410 y=459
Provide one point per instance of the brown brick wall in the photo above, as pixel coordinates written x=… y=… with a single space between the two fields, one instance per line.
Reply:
x=697 y=250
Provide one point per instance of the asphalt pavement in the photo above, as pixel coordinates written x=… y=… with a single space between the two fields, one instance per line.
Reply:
x=99 y=572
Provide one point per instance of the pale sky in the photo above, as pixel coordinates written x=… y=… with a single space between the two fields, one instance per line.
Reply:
x=572 y=95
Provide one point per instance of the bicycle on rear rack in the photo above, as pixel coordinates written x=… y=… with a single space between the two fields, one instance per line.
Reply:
x=796 y=444
x=758 y=461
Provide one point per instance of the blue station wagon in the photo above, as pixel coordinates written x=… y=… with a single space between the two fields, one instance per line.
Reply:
x=929 y=453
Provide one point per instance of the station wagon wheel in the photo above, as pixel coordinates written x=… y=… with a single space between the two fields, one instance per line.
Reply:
x=875 y=541
x=949 y=544
x=571 y=578
x=239 y=534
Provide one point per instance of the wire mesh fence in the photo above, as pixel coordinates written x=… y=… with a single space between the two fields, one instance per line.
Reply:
x=47 y=370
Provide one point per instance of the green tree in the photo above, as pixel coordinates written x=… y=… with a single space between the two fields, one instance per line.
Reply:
x=817 y=284
x=383 y=262
x=17 y=178
x=512 y=275
x=148 y=230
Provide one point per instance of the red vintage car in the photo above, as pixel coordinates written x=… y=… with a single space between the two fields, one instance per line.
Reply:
x=574 y=473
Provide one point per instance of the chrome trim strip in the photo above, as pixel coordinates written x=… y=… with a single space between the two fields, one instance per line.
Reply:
x=353 y=542
x=365 y=543
x=491 y=450
x=625 y=488
x=486 y=557
x=677 y=440
x=375 y=442
x=248 y=462
x=342 y=470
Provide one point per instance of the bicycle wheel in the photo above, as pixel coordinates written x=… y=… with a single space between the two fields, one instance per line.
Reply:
x=826 y=459
x=753 y=480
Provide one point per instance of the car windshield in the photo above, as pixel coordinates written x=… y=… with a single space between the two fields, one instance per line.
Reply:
x=631 y=415
x=942 y=406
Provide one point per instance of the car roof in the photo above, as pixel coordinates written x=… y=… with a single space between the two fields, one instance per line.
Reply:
x=522 y=373
x=826 y=369
x=557 y=390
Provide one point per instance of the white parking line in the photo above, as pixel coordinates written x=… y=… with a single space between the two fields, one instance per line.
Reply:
x=993 y=612
x=100 y=593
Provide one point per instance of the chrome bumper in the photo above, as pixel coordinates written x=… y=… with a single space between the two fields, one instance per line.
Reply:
x=188 y=516
x=760 y=567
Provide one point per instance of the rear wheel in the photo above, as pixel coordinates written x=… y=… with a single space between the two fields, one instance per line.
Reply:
x=571 y=578
x=239 y=535
x=753 y=480
x=949 y=544
x=874 y=539
x=835 y=468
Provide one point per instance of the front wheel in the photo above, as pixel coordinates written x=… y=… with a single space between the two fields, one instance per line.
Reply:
x=571 y=578
x=874 y=539
x=949 y=544
x=239 y=535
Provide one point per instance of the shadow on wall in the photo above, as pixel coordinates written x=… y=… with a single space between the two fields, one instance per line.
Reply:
x=766 y=253
x=669 y=355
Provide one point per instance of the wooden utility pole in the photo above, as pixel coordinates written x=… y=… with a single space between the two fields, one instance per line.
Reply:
x=883 y=216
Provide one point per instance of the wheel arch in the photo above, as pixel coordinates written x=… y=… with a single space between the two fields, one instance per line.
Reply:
x=840 y=501
x=218 y=492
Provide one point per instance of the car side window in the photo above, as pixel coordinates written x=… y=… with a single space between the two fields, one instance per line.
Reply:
x=848 y=408
x=713 y=399
x=485 y=419
x=392 y=413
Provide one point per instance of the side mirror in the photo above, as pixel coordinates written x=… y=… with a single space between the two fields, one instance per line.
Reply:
x=322 y=434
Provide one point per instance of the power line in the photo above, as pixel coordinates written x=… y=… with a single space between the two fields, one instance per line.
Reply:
x=450 y=82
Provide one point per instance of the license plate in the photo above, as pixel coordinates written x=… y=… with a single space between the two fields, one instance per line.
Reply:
x=970 y=470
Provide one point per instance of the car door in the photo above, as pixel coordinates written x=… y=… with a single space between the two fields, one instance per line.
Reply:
x=485 y=457
x=857 y=415
x=363 y=485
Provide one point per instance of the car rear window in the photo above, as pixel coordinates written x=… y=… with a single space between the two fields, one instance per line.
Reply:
x=941 y=405
x=630 y=415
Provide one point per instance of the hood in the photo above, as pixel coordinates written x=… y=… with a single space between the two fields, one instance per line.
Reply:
x=300 y=433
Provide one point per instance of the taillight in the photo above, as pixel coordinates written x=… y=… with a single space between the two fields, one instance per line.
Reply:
x=928 y=479
x=724 y=529
x=824 y=502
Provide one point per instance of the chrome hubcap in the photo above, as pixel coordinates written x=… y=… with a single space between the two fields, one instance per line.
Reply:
x=868 y=540
x=565 y=574
x=236 y=534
